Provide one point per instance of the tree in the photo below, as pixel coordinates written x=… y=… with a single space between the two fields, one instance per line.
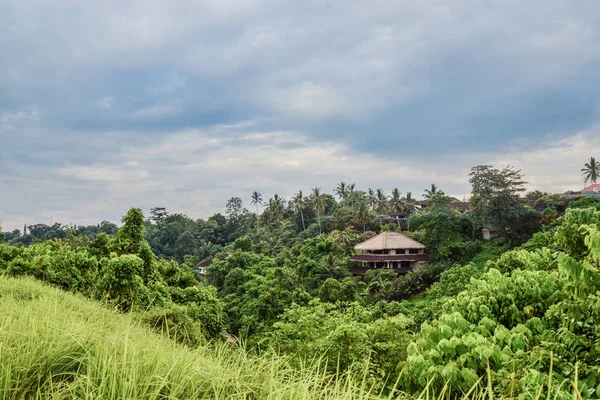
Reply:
x=431 y=191
x=130 y=239
x=371 y=196
x=441 y=230
x=362 y=214
x=256 y=199
x=495 y=196
x=397 y=204
x=318 y=204
x=351 y=194
x=591 y=172
x=121 y=281
x=274 y=211
x=380 y=203
x=410 y=204
x=298 y=203
x=131 y=236
x=342 y=190
x=234 y=208
x=158 y=214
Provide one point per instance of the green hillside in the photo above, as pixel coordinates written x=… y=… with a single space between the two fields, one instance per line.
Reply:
x=56 y=345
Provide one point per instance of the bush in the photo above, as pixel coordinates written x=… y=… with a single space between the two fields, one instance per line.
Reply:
x=455 y=280
x=585 y=202
x=343 y=336
x=175 y=322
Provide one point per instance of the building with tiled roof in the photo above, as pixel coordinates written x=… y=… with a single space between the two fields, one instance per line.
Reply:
x=389 y=250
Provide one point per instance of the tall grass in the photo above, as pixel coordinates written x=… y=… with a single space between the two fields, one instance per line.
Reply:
x=56 y=345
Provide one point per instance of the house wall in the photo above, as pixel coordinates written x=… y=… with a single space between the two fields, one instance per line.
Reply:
x=489 y=234
x=591 y=194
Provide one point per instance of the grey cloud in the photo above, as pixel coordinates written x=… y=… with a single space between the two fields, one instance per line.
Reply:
x=141 y=101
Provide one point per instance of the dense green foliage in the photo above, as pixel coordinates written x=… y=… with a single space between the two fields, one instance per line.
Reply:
x=60 y=346
x=123 y=272
x=523 y=319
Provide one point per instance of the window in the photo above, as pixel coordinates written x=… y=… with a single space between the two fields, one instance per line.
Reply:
x=413 y=251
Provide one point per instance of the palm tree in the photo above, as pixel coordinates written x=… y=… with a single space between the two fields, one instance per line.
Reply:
x=256 y=199
x=362 y=212
x=410 y=206
x=341 y=190
x=397 y=204
x=371 y=196
x=351 y=188
x=380 y=203
x=591 y=172
x=298 y=203
x=275 y=209
x=430 y=192
x=351 y=194
x=318 y=204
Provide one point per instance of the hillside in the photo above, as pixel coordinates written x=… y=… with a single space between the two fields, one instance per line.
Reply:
x=56 y=345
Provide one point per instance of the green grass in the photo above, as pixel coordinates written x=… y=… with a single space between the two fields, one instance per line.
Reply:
x=55 y=345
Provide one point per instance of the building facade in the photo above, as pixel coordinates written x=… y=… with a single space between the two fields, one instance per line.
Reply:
x=391 y=251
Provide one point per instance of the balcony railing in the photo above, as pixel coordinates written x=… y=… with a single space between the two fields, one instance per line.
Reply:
x=389 y=257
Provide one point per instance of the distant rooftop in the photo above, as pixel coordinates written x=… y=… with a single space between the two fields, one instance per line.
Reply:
x=592 y=188
x=388 y=241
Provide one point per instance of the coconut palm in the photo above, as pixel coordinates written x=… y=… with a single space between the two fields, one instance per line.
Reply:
x=362 y=214
x=410 y=206
x=298 y=203
x=318 y=204
x=591 y=172
x=371 y=196
x=256 y=199
x=431 y=191
x=275 y=209
x=341 y=190
x=397 y=204
x=351 y=188
x=351 y=194
x=381 y=202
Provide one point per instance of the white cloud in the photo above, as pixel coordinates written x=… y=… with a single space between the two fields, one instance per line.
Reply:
x=196 y=171
x=10 y=121
x=309 y=99
x=107 y=102
x=554 y=165
x=427 y=67
x=157 y=111
x=167 y=85
x=25 y=115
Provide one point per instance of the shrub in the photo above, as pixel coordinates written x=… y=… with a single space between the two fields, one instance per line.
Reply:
x=175 y=322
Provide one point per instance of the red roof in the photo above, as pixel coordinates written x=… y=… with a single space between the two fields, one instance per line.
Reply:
x=591 y=188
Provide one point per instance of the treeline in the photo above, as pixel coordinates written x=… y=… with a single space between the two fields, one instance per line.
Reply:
x=281 y=280
x=447 y=226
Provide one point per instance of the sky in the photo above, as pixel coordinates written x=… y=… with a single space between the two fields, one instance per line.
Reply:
x=109 y=105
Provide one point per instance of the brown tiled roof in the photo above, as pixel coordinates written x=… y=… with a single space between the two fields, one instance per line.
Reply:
x=591 y=188
x=389 y=240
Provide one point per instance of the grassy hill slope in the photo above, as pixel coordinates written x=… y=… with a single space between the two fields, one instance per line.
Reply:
x=55 y=345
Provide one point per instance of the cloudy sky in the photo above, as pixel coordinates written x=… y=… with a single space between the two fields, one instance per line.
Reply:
x=111 y=104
